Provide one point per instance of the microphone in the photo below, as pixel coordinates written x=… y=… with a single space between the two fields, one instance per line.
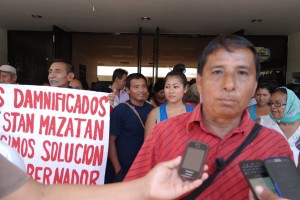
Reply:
x=220 y=163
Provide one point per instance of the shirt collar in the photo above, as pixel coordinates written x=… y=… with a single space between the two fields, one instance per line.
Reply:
x=196 y=121
x=122 y=91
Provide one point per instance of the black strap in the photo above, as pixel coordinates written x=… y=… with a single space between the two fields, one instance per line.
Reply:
x=254 y=132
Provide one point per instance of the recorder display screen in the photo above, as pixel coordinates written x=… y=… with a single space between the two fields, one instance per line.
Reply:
x=193 y=159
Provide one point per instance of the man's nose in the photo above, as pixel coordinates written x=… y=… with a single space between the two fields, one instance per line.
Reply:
x=229 y=82
x=50 y=75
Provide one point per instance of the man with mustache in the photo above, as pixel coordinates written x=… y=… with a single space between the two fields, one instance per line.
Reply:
x=227 y=78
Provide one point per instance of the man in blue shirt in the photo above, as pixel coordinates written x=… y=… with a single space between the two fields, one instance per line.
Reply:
x=127 y=127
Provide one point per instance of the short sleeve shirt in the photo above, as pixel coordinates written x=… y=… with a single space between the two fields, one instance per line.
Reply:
x=123 y=97
x=169 y=138
x=126 y=126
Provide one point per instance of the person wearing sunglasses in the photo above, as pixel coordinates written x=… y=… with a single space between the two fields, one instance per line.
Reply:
x=285 y=117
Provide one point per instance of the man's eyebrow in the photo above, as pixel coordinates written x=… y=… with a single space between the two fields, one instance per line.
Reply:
x=56 y=70
x=215 y=66
x=244 y=67
x=221 y=66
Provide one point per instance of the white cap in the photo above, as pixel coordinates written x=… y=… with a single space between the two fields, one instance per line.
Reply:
x=9 y=69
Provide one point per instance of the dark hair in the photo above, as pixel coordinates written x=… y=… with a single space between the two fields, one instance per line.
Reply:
x=179 y=67
x=101 y=87
x=192 y=81
x=229 y=43
x=93 y=86
x=70 y=68
x=178 y=71
x=159 y=85
x=295 y=88
x=270 y=86
x=134 y=76
x=118 y=73
x=84 y=84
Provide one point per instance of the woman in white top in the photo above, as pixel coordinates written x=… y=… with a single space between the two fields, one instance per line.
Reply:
x=285 y=117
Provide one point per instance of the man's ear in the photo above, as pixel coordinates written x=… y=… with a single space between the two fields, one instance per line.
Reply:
x=71 y=76
x=199 y=83
x=127 y=89
x=15 y=78
x=254 y=89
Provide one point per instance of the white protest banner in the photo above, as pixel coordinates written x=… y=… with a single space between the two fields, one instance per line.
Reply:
x=62 y=134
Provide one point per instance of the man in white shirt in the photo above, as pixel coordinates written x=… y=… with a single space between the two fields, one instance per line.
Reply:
x=118 y=85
